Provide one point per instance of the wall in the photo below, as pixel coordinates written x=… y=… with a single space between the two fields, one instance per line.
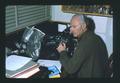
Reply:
x=104 y=25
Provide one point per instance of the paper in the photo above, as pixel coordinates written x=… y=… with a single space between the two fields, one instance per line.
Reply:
x=61 y=27
x=48 y=63
x=15 y=62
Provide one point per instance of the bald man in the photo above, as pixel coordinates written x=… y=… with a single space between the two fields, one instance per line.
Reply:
x=90 y=56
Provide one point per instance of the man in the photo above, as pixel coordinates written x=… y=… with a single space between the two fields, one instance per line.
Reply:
x=90 y=56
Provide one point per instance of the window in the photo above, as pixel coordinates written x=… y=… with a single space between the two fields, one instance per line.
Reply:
x=20 y=16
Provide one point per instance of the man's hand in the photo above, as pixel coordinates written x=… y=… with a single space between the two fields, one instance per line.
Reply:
x=61 y=47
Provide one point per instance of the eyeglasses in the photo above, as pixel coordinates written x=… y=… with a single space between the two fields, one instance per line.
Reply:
x=75 y=26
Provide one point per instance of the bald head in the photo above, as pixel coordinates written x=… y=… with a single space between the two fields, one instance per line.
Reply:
x=79 y=18
x=78 y=25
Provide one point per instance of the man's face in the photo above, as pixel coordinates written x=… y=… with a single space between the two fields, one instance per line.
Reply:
x=76 y=27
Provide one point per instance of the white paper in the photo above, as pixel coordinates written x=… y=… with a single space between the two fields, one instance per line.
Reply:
x=61 y=27
x=48 y=63
x=15 y=62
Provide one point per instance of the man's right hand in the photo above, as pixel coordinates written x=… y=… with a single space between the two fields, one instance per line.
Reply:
x=61 y=47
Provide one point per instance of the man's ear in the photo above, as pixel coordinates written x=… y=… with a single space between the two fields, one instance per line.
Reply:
x=84 y=26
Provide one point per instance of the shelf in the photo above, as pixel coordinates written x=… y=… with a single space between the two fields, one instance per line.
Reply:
x=93 y=14
x=95 y=10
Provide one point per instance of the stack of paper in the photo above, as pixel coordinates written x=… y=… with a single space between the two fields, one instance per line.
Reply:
x=20 y=67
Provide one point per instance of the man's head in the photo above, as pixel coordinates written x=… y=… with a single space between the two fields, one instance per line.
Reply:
x=78 y=25
x=90 y=24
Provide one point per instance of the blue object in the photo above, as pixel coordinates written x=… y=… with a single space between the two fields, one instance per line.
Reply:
x=54 y=70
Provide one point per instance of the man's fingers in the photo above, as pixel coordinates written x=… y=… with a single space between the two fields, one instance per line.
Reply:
x=61 y=47
x=63 y=44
